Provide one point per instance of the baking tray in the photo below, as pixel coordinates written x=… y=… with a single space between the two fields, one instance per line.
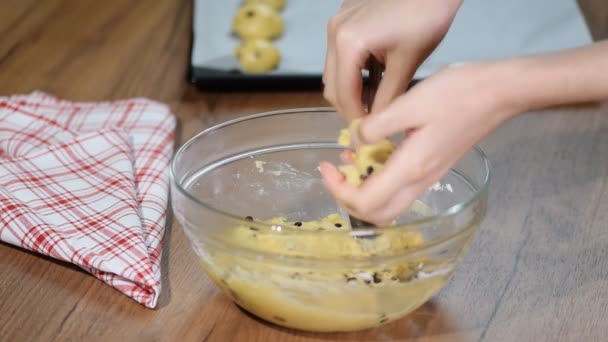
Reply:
x=483 y=29
x=302 y=46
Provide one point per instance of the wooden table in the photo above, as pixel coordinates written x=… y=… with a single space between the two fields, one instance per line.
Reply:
x=537 y=271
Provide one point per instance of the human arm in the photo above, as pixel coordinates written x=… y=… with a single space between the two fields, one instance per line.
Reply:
x=401 y=34
x=448 y=113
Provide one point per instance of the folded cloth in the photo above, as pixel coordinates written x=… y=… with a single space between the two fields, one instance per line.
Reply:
x=87 y=183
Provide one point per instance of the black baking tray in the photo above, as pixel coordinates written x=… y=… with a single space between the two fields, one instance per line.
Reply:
x=211 y=80
x=214 y=80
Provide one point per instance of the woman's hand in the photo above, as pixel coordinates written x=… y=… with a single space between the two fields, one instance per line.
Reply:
x=399 y=33
x=444 y=116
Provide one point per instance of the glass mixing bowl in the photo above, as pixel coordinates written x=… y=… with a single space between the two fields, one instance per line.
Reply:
x=266 y=166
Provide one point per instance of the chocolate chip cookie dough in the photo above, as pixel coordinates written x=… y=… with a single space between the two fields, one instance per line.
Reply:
x=257 y=55
x=257 y=21
x=367 y=159
x=319 y=287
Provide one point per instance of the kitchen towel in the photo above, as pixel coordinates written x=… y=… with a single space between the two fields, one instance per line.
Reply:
x=87 y=183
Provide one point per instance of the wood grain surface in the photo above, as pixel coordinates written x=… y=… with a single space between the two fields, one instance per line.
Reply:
x=537 y=271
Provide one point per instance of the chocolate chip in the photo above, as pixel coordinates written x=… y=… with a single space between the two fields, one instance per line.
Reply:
x=338 y=225
x=377 y=278
x=298 y=224
x=393 y=278
x=248 y=218
x=363 y=177
x=370 y=170
x=279 y=318
x=250 y=14
x=367 y=281
x=254 y=229
x=384 y=320
x=350 y=279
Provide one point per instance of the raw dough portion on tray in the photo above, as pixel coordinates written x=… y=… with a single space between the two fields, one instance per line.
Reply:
x=258 y=21
x=258 y=55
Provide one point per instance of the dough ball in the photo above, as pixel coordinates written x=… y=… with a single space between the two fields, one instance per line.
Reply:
x=367 y=159
x=258 y=55
x=276 y=4
x=351 y=174
x=257 y=21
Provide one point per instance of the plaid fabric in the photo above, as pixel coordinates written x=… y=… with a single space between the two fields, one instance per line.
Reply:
x=87 y=183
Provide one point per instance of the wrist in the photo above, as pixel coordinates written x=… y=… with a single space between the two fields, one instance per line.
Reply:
x=499 y=88
x=517 y=86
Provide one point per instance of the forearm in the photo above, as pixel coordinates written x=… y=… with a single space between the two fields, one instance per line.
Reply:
x=568 y=77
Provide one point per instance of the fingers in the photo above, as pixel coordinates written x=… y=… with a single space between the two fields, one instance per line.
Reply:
x=383 y=215
x=331 y=174
x=346 y=156
x=411 y=166
x=329 y=70
x=396 y=205
x=400 y=115
x=352 y=55
x=399 y=70
x=402 y=200
x=345 y=57
x=337 y=185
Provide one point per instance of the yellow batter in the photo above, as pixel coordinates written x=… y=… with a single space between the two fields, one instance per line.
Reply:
x=366 y=159
x=317 y=295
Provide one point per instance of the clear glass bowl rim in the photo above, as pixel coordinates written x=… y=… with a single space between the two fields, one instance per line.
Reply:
x=446 y=214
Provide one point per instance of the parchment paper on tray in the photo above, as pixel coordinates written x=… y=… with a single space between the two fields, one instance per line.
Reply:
x=490 y=29
x=482 y=29
x=302 y=44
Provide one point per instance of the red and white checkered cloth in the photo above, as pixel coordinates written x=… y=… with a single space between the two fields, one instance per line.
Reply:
x=87 y=183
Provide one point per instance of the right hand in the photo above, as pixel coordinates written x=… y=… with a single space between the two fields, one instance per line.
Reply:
x=445 y=116
x=400 y=34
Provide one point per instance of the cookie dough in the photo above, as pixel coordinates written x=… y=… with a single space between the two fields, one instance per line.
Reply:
x=367 y=159
x=276 y=4
x=257 y=21
x=331 y=281
x=257 y=55
x=323 y=245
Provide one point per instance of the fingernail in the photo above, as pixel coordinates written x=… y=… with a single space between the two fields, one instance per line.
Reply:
x=324 y=168
x=329 y=172
x=346 y=156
